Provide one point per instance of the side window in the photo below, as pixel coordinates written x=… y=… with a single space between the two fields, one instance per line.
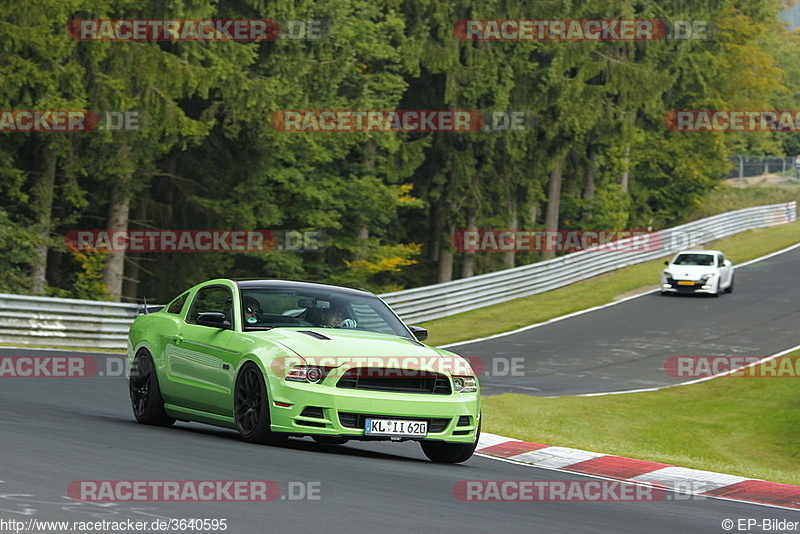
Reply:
x=721 y=260
x=177 y=305
x=212 y=299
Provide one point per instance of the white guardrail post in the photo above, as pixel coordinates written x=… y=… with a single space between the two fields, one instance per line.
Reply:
x=82 y=323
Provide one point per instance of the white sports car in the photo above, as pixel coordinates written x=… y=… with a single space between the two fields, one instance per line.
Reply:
x=698 y=271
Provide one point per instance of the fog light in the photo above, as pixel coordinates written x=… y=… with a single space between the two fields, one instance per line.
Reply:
x=666 y=286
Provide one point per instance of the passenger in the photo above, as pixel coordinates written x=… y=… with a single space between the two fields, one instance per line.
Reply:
x=252 y=310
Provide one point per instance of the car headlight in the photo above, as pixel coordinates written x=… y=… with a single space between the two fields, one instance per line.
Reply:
x=307 y=373
x=465 y=384
x=668 y=274
x=706 y=277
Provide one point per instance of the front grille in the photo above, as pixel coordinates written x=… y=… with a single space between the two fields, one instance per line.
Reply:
x=395 y=380
x=684 y=289
x=358 y=420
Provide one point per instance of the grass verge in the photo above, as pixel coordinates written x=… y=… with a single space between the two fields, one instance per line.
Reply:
x=737 y=425
x=730 y=425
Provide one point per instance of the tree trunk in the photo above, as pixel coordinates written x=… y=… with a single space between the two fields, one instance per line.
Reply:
x=118 y=215
x=130 y=284
x=437 y=226
x=625 y=175
x=445 y=266
x=468 y=265
x=588 y=190
x=369 y=153
x=553 y=202
x=43 y=204
x=510 y=257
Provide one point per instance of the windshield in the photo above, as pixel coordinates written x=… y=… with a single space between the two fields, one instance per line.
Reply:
x=694 y=259
x=277 y=308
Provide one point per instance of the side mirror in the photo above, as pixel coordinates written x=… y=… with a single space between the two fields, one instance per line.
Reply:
x=214 y=320
x=420 y=333
x=666 y=263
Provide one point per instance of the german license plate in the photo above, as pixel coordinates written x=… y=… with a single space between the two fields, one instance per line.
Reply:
x=395 y=427
x=685 y=282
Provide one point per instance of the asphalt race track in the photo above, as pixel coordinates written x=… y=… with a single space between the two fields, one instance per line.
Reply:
x=59 y=430
x=624 y=347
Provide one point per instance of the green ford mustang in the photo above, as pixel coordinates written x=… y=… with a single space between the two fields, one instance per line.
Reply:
x=273 y=359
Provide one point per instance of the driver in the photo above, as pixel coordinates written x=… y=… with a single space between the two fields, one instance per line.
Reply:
x=334 y=317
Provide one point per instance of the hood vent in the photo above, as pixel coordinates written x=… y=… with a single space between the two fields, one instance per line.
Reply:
x=313 y=334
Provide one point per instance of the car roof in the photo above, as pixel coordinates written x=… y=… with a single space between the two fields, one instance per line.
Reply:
x=705 y=251
x=291 y=284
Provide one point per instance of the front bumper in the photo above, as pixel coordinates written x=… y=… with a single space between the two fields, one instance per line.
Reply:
x=697 y=286
x=325 y=410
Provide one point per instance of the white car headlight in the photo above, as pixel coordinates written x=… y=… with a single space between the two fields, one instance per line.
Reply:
x=465 y=384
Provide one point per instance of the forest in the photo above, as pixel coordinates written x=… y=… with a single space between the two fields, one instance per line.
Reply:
x=212 y=146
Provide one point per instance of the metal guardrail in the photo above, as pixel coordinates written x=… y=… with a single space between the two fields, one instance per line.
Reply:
x=449 y=298
x=47 y=321
x=64 y=322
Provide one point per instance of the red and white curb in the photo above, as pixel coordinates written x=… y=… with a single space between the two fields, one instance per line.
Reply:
x=627 y=469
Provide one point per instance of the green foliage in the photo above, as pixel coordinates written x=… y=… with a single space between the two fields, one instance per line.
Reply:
x=17 y=254
x=88 y=282
x=208 y=156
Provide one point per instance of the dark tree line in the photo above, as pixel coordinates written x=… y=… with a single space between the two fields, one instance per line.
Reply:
x=208 y=157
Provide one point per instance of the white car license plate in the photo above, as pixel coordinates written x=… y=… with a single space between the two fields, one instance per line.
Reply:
x=395 y=427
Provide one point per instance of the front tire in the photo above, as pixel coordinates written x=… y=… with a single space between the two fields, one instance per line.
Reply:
x=450 y=453
x=718 y=292
x=729 y=289
x=251 y=406
x=146 y=401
